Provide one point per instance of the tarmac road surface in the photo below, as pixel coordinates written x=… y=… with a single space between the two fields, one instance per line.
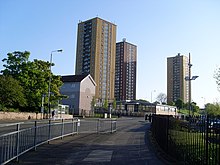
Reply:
x=128 y=146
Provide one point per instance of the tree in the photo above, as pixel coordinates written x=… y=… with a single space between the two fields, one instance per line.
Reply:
x=105 y=106
x=93 y=104
x=114 y=104
x=213 y=109
x=120 y=106
x=194 y=106
x=171 y=103
x=11 y=92
x=33 y=77
x=179 y=103
x=162 y=98
x=15 y=63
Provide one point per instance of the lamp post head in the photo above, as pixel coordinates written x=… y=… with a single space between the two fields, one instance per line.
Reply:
x=194 y=77
x=59 y=50
x=187 y=78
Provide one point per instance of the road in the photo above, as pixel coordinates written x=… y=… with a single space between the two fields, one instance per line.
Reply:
x=130 y=145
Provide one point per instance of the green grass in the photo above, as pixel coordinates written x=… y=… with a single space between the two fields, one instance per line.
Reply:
x=193 y=145
x=186 y=112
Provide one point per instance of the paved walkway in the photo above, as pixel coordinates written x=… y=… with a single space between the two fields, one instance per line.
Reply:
x=130 y=145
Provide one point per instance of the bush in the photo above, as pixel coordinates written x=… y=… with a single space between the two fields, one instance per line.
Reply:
x=5 y=109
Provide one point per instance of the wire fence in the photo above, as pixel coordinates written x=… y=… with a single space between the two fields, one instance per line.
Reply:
x=195 y=140
x=27 y=136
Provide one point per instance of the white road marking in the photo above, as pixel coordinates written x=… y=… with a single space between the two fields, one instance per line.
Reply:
x=99 y=156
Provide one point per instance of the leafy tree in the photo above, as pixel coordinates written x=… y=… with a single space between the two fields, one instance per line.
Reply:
x=171 y=103
x=105 y=106
x=114 y=104
x=162 y=98
x=194 y=106
x=36 y=81
x=179 y=103
x=11 y=92
x=213 y=109
x=93 y=102
x=34 y=78
x=15 y=63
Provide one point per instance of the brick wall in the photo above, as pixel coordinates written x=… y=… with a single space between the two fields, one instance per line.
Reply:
x=25 y=116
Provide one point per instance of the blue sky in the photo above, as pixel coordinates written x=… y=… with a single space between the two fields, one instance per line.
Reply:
x=159 y=28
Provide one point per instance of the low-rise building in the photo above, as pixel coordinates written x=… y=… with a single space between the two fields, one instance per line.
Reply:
x=141 y=107
x=80 y=90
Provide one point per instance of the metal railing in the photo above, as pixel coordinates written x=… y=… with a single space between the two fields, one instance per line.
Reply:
x=28 y=136
x=97 y=126
x=192 y=141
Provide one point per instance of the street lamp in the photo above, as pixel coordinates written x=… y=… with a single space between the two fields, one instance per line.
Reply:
x=42 y=105
x=151 y=94
x=204 y=101
x=189 y=78
x=51 y=54
x=151 y=101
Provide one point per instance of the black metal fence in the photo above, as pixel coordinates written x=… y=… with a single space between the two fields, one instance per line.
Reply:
x=191 y=140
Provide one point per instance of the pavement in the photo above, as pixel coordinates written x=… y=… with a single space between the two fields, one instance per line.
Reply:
x=130 y=145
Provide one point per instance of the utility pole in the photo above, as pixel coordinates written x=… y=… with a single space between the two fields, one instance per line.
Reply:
x=190 y=65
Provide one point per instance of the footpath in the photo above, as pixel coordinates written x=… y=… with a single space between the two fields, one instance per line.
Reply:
x=130 y=145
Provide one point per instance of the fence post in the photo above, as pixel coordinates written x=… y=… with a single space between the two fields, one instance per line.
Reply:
x=207 y=140
x=17 y=141
x=111 y=126
x=49 y=131
x=72 y=126
x=98 y=122
x=77 y=125
x=115 y=125
x=167 y=133
x=35 y=135
x=62 y=129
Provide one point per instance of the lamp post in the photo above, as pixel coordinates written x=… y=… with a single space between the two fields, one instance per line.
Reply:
x=42 y=105
x=204 y=101
x=151 y=94
x=189 y=78
x=51 y=54
x=151 y=101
